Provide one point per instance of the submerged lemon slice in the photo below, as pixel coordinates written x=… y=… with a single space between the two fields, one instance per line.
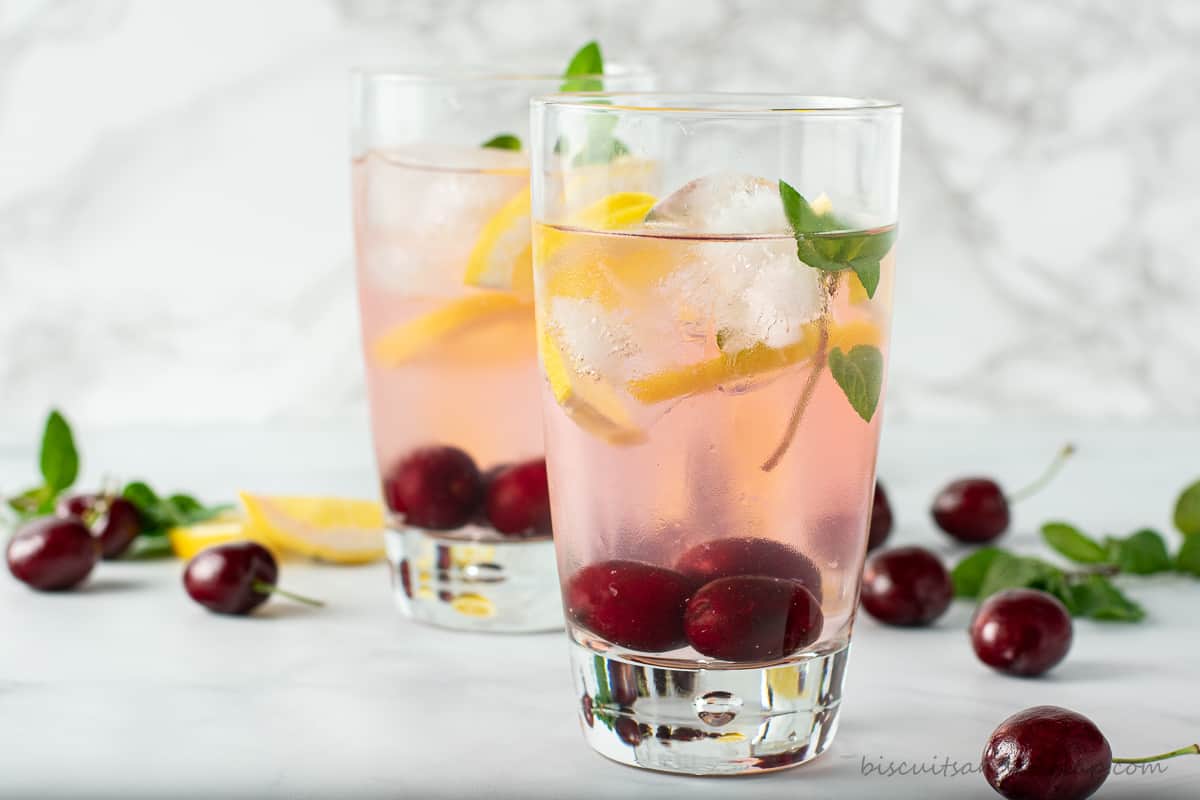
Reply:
x=502 y=256
x=330 y=529
x=470 y=315
x=188 y=540
x=593 y=405
x=704 y=376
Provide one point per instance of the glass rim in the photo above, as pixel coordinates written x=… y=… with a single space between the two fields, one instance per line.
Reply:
x=481 y=74
x=717 y=104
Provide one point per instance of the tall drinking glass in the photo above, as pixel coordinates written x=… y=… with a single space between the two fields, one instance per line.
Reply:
x=713 y=331
x=442 y=233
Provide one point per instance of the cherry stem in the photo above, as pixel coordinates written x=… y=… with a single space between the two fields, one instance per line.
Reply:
x=1190 y=750
x=1066 y=452
x=263 y=587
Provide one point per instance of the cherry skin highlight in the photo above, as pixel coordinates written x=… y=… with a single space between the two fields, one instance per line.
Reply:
x=752 y=618
x=52 y=553
x=906 y=586
x=629 y=603
x=1021 y=632
x=1047 y=753
x=437 y=488
x=726 y=558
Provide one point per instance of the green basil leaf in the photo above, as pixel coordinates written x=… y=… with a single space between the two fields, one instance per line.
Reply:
x=1072 y=543
x=1141 y=553
x=584 y=71
x=860 y=375
x=1187 y=511
x=867 y=270
x=969 y=573
x=59 y=458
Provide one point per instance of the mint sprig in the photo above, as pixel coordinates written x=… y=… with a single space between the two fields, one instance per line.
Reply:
x=1187 y=511
x=859 y=373
x=857 y=251
x=584 y=70
x=1085 y=594
x=1143 y=552
x=58 y=462
x=160 y=514
x=503 y=141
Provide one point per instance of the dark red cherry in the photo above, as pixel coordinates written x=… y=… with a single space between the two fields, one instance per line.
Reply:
x=972 y=510
x=1021 y=631
x=906 y=586
x=235 y=578
x=437 y=488
x=752 y=618
x=725 y=558
x=518 y=500
x=113 y=520
x=881 y=518
x=485 y=482
x=1047 y=753
x=631 y=604
x=53 y=553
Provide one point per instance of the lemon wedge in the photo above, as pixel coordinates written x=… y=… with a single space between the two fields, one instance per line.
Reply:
x=188 y=540
x=704 y=376
x=593 y=405
x=473 y=605
x=502 y=256
x=330 y=529
x=474 y=317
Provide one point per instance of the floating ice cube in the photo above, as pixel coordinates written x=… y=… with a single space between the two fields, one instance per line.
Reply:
x=725 y=203
x=596 y=340
x=748 y=292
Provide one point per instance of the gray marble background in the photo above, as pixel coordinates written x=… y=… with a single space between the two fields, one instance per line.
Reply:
x=174 y=222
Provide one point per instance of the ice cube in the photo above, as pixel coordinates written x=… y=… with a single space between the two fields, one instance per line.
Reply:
x=597 y=341
x=747 y=293
x=724 y=203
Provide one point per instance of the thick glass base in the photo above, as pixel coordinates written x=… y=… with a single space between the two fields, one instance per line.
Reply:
x=455 y=581
x=708 y=722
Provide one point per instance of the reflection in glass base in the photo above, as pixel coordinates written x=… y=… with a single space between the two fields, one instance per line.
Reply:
x=708 y=722
x=455 y=581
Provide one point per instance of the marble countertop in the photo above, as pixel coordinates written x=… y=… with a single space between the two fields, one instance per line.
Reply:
x=128 y=689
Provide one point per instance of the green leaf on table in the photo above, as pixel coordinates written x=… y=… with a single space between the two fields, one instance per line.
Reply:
x=1187 y=511
x=503 y=141
x=1141 y=553
x=1069 y=541
x=969 y=573
x=33 y=502
x=1008 y=571
x=1188 y=557
x=159 y=514
x=860 y=374
x=585 y=70
x=1097 y=598
x=59 y=459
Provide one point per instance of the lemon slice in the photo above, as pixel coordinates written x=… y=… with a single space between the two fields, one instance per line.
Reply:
x=613 y=212
x=707 y=375
x=593 y=405
x=501 y=258
x=471 y=604
x=330 y=529
x=420 y=336
x=188 y=540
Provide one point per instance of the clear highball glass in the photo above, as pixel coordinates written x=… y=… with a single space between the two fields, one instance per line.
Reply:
x=713 y=278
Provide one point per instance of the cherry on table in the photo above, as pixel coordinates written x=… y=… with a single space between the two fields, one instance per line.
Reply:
x=518 y=499
x=1053 y=753
x=235 y=578
x=437 y=488
x=976 y=510
x=630 y=603
x=1021 y=631
x=752 y=618
x=881 y=518
x=113 y=520
x=746 y=555
x=906 y=586
x=53 y=553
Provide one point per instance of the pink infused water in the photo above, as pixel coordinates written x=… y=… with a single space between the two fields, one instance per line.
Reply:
x=687 y=509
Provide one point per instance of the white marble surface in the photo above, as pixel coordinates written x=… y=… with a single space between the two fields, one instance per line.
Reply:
x=174 y=232
x=126 y=689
